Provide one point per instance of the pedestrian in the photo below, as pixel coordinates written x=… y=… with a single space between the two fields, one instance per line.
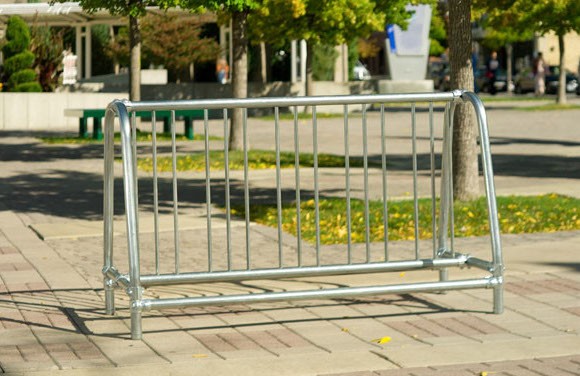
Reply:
x=222 y=70
x=539 y=70
x=492 y=68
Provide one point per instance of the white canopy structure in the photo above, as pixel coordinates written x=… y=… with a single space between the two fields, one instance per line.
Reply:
x=71 y=14
x=63 y=14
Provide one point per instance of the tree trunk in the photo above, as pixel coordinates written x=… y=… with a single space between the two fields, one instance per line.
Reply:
x=509 y=48
x=239 y=75
x=116 y=67
x=562 y=79
x=465 y=170
x=135 y=65
x=263 y=64
x=309 y=81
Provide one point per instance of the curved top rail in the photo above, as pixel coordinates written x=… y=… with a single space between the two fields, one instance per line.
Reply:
x=293 y=101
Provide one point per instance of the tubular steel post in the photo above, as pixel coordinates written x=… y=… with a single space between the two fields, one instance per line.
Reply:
x=311 y=260
x=498 y=266
x=108 y=205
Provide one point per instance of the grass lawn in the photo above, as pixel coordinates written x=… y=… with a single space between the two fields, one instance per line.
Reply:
x=257 y=159
x=518 y=215
x=141 y=136
x=551 y=107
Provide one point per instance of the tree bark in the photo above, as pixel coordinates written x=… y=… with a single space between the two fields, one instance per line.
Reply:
x=135 y=64
x=465 y=169
x=239 y=75
x=263 y=64
x=562 y=79
x=135 y=61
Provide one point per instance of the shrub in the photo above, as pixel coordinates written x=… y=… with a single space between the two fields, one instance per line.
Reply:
x=18 y=58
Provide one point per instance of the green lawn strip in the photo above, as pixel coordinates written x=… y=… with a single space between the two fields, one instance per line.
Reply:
x=518 y=215
x=257 y=160
x=301 y=116
x=514 y=98
x=141 y=137
x=551 y=107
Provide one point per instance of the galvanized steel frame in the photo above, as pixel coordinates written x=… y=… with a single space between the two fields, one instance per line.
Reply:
x=443 y=257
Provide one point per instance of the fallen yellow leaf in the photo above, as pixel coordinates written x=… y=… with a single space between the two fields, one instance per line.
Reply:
x=382 y=340
x=199 y=356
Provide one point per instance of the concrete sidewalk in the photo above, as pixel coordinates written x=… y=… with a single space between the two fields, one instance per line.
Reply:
x=52 y=317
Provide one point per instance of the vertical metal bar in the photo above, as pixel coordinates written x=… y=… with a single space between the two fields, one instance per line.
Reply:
x=297 y=176
x=498 y=267
x=108 y=206
x=175 y=199
x=155 y=189
x=433 y=197
x=207 y=190
x=316 y=187
x=278 y=185
x=444 y=194
x=131 y=210
x=366 y=183
x=134 y=144
x=347 y=185
x=415 y=194
x=451 y=195
x=446 y=200
x=384 y=182
x=246 y=185
x=227 y=179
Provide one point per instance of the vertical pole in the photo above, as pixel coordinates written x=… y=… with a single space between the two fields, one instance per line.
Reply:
x=79 y=50
x=445 y=194
x=88 y=52
x=303 y=61
x=278 y=186
x=227 y=180
x=131 y=210
x=493 y=218
x=347 y=185
x=415 y=178
x=293 y=61
x=108 y=208
x=207 y=189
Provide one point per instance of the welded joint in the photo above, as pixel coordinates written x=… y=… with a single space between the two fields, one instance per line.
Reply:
x=141 y=305
x=134 y=292
x=494 y=282
x=458 y=95
x=110 y=283
x=444 y=253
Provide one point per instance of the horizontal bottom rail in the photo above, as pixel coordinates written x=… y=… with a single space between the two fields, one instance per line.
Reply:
x=342 y=292
x=308 y=271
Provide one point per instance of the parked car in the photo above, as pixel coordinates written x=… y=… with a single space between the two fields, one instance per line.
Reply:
x=483 y=82
x=524 y=81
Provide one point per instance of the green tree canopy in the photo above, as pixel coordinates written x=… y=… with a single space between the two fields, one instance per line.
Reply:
x=331 y=22
x=518 y=17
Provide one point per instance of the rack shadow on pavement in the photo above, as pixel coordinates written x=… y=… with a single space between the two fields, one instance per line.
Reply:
x=41 y=309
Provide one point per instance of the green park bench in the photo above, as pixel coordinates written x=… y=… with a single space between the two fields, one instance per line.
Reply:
x=188 y=116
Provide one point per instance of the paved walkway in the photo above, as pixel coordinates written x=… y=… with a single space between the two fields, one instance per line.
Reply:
x=51 y=300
